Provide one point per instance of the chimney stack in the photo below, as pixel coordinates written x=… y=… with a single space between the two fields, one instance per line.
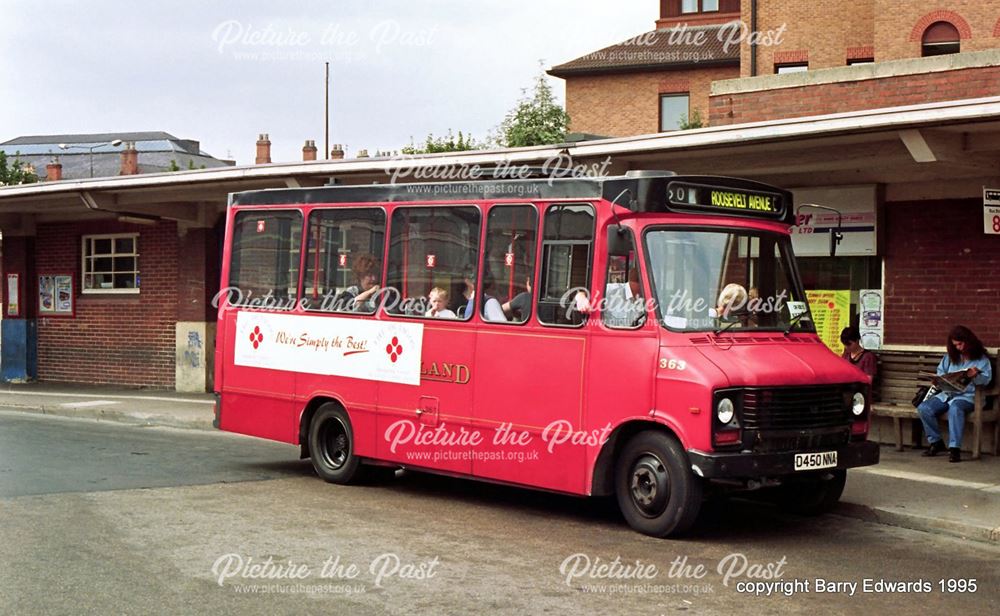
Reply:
x=53 y=170
x=337 y=153
x=130 y=159
x=263 y=149
x=309 y=150
x=362 y=154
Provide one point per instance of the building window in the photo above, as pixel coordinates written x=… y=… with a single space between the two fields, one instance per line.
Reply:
x=111 y=263
x=782 y=69
x=673 y=111
x=857 y=61
x=699 y=6
x=940 y=38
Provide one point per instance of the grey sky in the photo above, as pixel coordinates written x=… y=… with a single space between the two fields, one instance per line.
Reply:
x=399 y=68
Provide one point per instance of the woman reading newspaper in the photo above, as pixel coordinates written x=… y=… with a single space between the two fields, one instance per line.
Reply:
x=963 y=368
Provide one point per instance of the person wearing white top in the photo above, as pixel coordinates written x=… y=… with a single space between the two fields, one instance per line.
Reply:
x=438 y=300
x=493 y=311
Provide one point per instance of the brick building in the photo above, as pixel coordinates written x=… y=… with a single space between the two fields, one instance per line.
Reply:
x=727 y=61
x=111 y=279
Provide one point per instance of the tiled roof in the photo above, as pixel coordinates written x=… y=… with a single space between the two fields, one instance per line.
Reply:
x=92 y=138
x=674 y=47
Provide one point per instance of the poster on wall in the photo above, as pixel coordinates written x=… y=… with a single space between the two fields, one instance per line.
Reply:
x=55 y=295
x=871 y=322
x=13 y=295
x=831 y=312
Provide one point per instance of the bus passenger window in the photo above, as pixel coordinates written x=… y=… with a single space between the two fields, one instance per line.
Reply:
x=264 y=266
x=624 y=306
x=511 y=234
x=431 y=247
x=343 y=265
x=567 y=250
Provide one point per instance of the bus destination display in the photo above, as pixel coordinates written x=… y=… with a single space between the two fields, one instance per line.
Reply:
x=735 y=201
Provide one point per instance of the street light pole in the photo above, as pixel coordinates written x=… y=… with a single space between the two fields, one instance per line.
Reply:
x=91 y=148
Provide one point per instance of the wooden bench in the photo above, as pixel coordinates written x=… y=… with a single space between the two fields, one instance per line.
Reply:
x=898 y=381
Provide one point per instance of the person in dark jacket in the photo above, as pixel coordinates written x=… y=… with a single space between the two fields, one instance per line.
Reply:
x=864 y=359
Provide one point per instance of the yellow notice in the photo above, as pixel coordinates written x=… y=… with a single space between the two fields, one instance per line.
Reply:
x=831 y=311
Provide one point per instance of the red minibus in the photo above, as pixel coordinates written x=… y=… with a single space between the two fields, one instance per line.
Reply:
x=644 y=336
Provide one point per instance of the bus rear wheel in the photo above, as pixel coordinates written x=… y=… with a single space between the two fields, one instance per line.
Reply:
x=331 y=445
x=657 y=493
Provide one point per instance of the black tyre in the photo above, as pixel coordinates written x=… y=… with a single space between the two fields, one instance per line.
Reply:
x=331 y=445
x=657 y=492
x=814 y=495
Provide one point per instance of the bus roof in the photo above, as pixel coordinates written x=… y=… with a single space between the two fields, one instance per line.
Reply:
x=638 y=191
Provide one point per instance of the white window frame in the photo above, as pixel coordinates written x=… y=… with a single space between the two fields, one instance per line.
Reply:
x=84 y=260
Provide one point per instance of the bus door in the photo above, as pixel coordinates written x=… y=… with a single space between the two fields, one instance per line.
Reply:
x=625 y=345
x=433 y=257
x=258 y=389
x=529 y=373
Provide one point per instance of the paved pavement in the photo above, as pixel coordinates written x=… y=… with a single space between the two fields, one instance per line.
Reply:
x=905 y=489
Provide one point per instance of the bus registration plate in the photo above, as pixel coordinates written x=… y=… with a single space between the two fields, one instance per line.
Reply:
x=813 y=461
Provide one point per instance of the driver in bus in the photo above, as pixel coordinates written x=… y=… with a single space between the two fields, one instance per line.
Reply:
x=732 y=301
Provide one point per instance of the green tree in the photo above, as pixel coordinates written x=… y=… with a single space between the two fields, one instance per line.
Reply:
x=448 y=143
x=693 y=122
x=536 y=120
x=13 y=174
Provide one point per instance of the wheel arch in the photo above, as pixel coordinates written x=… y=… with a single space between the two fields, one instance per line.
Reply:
x=305 y=418
x=603 y=478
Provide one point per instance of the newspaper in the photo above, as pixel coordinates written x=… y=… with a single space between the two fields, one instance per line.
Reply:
x=953 y=382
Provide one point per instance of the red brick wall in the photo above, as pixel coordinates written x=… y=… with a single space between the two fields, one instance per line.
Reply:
x=629 y=103
x=119 y=339
x=940 y=271
x=854 y=95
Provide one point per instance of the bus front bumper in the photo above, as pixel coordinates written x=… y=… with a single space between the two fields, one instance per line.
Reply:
x=739 y=465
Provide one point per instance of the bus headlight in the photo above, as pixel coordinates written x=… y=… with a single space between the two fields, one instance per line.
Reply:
x=725 y=411
x=858 y=404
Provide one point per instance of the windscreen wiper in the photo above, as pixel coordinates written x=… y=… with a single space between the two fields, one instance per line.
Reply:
x=795 y=320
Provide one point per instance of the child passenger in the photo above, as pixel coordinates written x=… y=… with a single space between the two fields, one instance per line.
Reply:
x=438 y=300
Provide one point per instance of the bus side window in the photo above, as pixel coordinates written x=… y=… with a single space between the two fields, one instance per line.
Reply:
x=432 y=247
x=567 y=251
x=509 y=273
x=343 y=265
x=624 y=306
x=264 y=263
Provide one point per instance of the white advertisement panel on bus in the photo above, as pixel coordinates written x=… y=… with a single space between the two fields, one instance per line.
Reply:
x=358 y=348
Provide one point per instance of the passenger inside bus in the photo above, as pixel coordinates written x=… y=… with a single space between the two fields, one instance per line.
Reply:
x=492 y=310
x=360 y=297
x=437 y=299
x=519 y=308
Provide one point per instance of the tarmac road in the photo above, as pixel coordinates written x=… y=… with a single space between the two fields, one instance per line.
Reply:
x=105 y=518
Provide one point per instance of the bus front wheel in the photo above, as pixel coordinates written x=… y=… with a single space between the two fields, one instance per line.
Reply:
x=657 y=492
x=331 y=445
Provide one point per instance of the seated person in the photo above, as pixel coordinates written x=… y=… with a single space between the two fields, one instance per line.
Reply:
x=438 y=301
x=732 y=300
x=519 y=308
x=360 y=297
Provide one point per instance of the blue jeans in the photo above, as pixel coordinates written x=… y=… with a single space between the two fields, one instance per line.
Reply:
x=929 y=411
